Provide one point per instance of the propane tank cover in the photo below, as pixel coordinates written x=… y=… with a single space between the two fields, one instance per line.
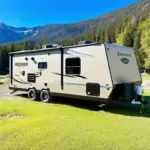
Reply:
x=139 y=90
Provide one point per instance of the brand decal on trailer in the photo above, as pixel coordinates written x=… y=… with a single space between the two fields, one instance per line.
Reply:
x=125 y=60
x=21 y=64
x=123 y=54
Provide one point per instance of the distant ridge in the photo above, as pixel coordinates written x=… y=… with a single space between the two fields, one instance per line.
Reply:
x=69 y=31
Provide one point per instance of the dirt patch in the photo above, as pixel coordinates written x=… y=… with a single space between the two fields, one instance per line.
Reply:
x=9 y=115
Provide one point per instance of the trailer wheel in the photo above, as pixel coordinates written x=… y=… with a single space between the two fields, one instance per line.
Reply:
x=32 y=95
x=46 y=96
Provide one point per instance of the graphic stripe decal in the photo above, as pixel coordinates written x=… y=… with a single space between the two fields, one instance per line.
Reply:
x=107 y=87
x=73 y=52
x=80 y=76
x=22 y=82
x=71 y=76
x=64 y=75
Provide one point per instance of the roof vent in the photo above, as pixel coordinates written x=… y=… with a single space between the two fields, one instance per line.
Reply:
x=85 y=42
x=47 y=46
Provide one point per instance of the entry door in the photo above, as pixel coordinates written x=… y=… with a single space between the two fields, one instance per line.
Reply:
x=72 y=70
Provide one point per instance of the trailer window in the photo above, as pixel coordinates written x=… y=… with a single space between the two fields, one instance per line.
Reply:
x=73 y=66
x=42 y=65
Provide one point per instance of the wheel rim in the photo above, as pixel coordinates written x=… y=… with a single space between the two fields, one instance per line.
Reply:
x=32 y=95
x=45 y=96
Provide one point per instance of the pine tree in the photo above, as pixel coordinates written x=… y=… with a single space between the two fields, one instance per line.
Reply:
x=12 y=47
x=106 y=38
x=145 y=41
x=1 y=61
x=98 y=36
x=37 y=46
x=138 y=50
x=102 y=36
x=125 y=38
x=25 y=45
x=45 y=42
x=134 y=22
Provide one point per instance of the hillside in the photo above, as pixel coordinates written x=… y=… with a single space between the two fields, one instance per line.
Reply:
x=67 y=31
x=13 y=34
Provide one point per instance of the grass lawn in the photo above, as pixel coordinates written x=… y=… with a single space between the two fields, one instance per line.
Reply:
x=3 y=76
x=146 y=77
x=4 y=83
x=73 y=125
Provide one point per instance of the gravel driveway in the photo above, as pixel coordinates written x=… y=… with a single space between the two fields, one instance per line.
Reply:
x=3 y=80
x=4 y=92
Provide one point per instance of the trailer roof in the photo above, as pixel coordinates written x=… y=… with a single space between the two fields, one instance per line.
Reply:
x=51 y=49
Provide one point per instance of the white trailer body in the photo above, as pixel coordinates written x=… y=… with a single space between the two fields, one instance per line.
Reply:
x=99 y=72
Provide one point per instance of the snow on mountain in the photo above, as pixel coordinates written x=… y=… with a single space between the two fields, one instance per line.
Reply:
x=13 y=34
x=25 y=31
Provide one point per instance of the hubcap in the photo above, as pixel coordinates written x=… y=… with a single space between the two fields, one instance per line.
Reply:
x=32 y=95
x=45 y=96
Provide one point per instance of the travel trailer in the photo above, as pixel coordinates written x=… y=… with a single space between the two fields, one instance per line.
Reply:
x=104 y=73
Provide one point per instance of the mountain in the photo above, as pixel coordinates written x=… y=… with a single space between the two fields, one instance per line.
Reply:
x=26 y=32
x=68 y=31
x=13 y=34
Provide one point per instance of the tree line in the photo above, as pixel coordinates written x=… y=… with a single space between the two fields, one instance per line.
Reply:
x=133 y=32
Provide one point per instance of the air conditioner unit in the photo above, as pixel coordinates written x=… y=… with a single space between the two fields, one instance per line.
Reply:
x=84 y=42
x=48 y=46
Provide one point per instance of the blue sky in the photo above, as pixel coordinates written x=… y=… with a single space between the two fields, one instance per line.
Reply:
x=40 y=12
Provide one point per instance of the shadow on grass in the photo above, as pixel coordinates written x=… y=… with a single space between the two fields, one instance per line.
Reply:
x=127 y=110
x=90 y=105
x=130 y=110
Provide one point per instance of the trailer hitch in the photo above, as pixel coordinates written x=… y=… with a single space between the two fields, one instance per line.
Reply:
x=13 y=91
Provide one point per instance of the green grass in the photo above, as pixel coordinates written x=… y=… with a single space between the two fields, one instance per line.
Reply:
x=35 y=125
x=4 y=83
x=3 y=76
x=146 y=94
x=146 y=77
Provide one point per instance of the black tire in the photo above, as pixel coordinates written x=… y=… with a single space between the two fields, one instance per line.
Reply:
x=33 y=95
x=46 y=96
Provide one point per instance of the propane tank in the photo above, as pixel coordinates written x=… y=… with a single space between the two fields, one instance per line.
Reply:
x=139 y=97
x=139 y=90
